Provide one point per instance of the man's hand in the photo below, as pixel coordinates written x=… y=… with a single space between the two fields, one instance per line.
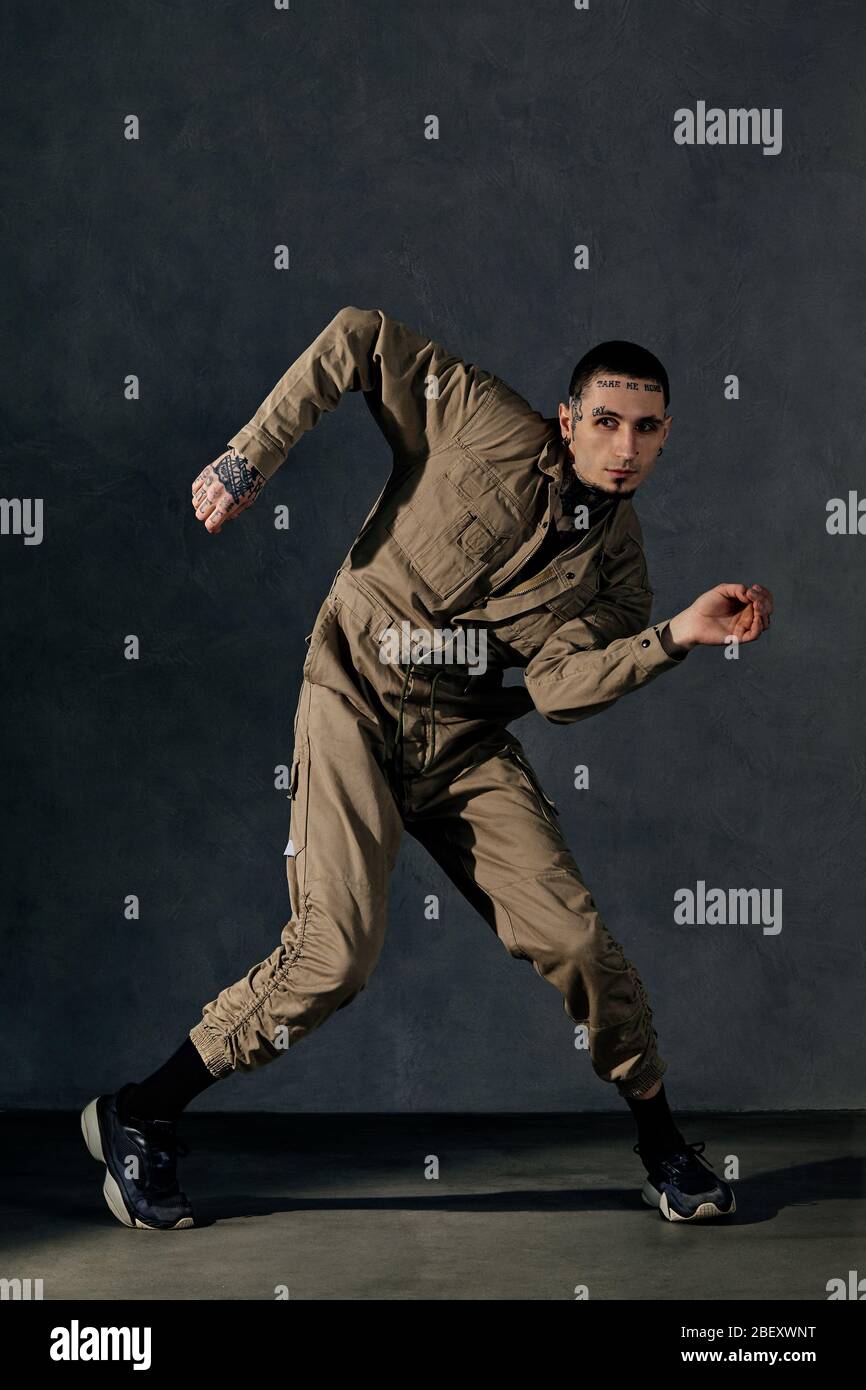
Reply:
x=225 y=489
x=728 y=610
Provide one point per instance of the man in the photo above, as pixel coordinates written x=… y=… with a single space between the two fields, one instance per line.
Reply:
x=516 y=531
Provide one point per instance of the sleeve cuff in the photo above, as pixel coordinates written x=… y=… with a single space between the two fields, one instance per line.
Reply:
x=649 y=652
x=257 y=449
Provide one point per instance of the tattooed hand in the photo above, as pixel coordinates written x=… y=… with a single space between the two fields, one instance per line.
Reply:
x=225 y=489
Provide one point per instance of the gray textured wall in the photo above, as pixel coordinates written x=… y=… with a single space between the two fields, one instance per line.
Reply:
x=155 y=257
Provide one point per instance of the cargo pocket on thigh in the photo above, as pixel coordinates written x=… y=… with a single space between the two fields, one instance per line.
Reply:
x=324 y=622
x=546 y=804
x=295 y=851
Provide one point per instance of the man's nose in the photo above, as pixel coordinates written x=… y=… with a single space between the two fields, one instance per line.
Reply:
x=626 y=444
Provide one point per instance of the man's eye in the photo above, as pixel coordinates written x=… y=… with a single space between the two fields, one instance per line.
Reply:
x=645 y=426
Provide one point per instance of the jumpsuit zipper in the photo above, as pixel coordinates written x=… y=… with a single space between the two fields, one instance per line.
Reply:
x=518 y=593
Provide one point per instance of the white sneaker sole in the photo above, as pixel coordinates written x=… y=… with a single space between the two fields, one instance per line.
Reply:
x=110 y=1190
x=702 y=1213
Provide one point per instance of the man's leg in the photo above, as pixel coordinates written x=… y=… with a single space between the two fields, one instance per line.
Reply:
x=344 y=837
x=345 y=833
x=497 y=836
x=657 y=1132
x=166 y=1092
x=491 y=829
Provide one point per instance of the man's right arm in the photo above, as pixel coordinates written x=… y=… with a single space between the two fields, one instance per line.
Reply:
x=418 y=392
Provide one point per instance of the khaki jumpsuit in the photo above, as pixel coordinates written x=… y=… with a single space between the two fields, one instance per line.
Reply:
x=379 y=746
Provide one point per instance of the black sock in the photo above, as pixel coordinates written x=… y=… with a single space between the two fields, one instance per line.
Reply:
x=657 y=1132
x=163 y=1095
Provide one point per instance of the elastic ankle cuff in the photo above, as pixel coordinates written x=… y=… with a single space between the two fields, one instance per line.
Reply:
x=211 y=1048
x=636 y=1085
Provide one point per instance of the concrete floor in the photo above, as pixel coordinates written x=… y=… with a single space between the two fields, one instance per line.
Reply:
x=525 y=1207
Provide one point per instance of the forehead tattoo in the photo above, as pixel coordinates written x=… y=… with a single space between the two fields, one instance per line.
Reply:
x=608 y=384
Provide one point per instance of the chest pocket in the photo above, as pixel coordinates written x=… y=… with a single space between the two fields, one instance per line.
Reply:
x=584 y=576
x=448 y=558
x=453 y=521
x=574 y=601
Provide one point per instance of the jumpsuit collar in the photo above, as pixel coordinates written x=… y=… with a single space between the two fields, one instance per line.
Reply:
x=552 y=456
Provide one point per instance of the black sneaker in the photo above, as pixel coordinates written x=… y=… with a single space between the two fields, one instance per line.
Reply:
x=682 y=1189
x=148 y=1148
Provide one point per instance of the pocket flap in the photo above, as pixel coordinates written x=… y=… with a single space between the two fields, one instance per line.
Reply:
x=477 y=538
x=293 y=777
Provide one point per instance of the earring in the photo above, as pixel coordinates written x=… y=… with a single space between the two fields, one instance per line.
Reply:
x=661 y=451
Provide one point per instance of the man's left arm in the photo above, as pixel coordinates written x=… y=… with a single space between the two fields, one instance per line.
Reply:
x=575 y=674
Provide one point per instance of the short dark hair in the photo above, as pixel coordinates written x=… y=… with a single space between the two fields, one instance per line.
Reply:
x=619 y=358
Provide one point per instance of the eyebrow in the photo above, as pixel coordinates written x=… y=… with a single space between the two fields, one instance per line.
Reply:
x=657 y=418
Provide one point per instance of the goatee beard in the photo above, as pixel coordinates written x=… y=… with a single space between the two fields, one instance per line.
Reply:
x=576 y=481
